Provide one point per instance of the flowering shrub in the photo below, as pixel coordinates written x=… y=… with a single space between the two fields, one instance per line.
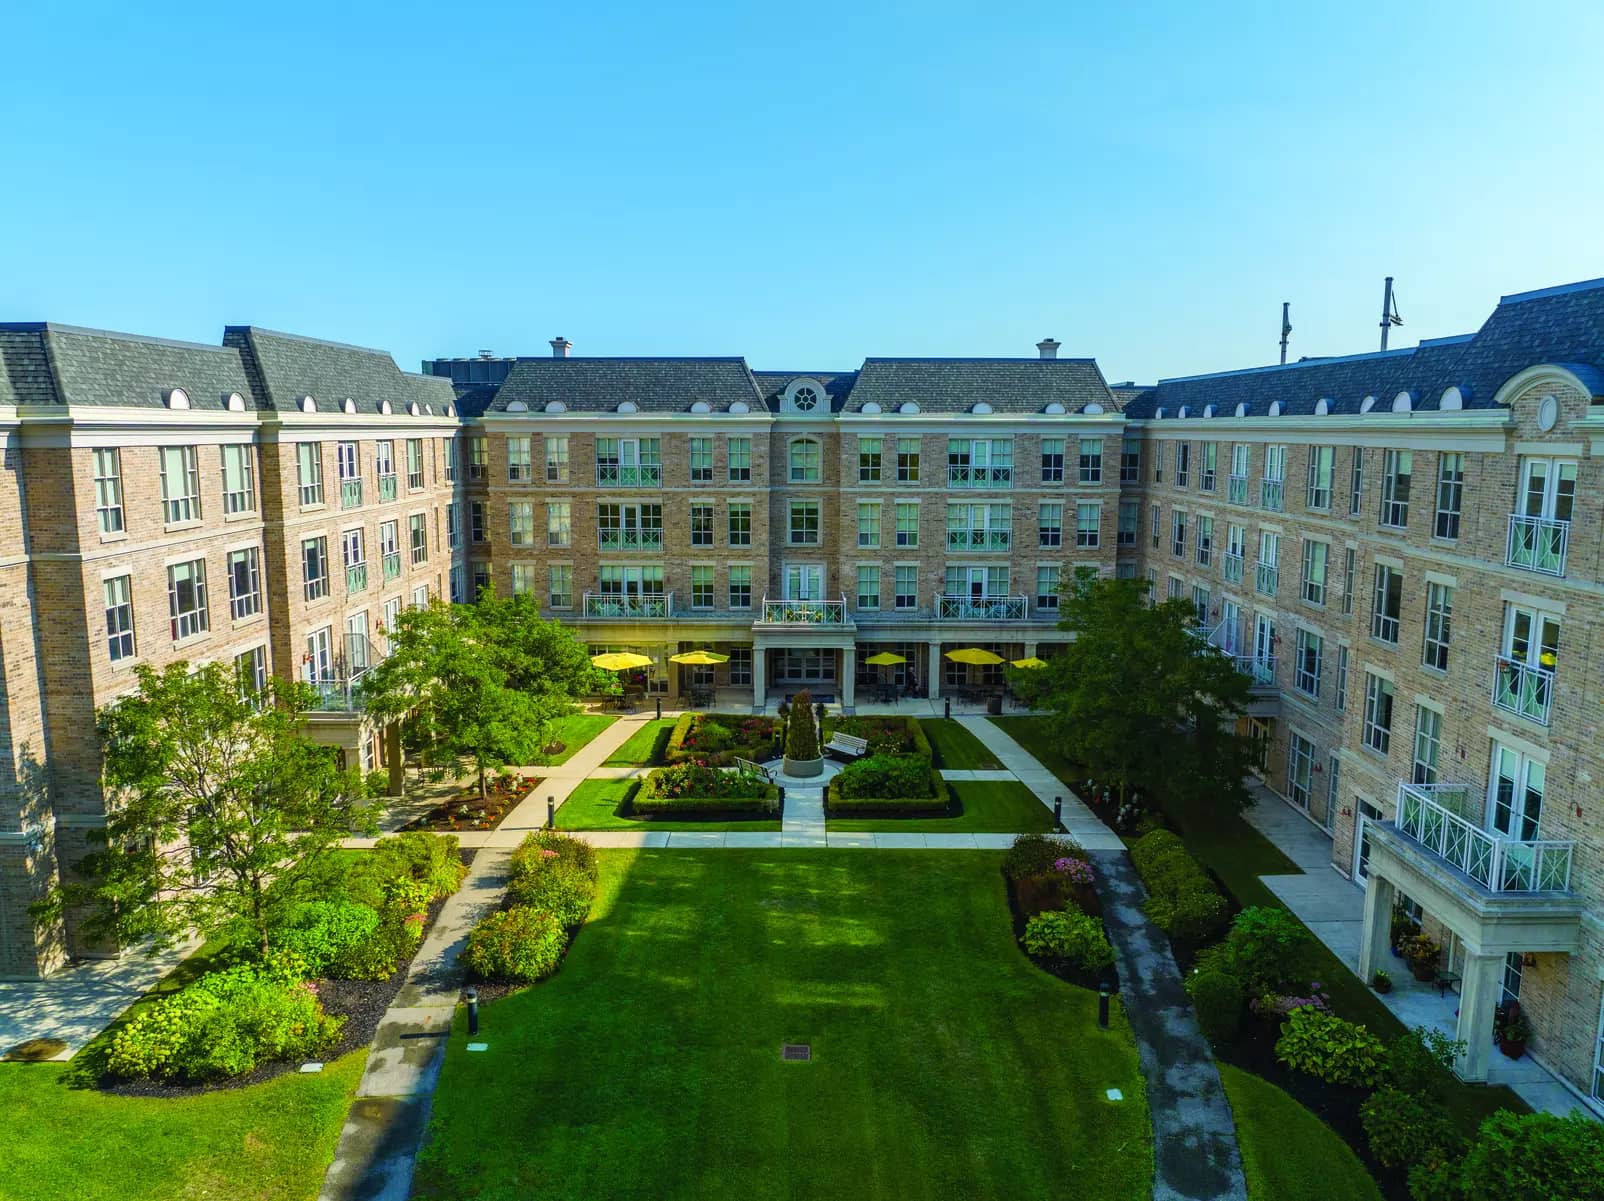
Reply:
x=561 y=889
x=1034 y=854
x=1071 y=936
x=700 y=779
x=1277 y=1005
x=1404 y=1130
x=885 y=735
x=519 y=945
x=1330 y=1048
x=1076 y=871
x=719 y=739
x=547 y=845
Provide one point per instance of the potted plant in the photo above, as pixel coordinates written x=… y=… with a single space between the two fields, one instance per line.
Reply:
x=802 y=758
x=1403 y=926
x=1422 y=955
x=1382 y=982
x=1512 y=1029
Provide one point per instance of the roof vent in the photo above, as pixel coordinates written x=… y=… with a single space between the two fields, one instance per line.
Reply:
x=1453 y=398
x=1048 y=348
x=980 y=406
x=1054 y=408
x=740 y=406
x=487 y=354
x=560 y=346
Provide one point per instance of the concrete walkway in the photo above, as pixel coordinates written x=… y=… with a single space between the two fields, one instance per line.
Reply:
x=1332 y=906
x=1195 y=1152
x=1079 y=821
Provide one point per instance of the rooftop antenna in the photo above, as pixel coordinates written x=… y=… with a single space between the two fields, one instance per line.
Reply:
x=1389 y=313
x=1286 y=328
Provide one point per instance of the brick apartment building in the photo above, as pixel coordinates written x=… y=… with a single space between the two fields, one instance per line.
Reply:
x=1401 y=549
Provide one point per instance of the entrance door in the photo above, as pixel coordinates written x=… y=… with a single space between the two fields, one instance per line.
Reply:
x=1366 y=814
x=320 y=656
x=804 y=581
x=1263 y=648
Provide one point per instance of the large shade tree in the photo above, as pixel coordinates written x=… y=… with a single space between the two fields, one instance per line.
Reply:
x=1141 y=701
x=218 y=805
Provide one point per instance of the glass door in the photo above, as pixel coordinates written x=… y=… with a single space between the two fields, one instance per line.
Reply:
x=804 y=581
x=1230 y=627
x=1366 y=813
x=1263 y=648
x=320 y=656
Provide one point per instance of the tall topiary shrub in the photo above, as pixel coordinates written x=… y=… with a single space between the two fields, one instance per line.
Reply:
x=801 y=735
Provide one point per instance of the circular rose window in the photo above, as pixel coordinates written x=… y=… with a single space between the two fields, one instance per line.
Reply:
x=805 y=399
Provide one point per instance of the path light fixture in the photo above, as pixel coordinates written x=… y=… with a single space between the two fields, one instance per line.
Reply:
x=1102 y=1005
x=946 y=707
x=473 y=1010
x=1058 y=814
x=551 y=813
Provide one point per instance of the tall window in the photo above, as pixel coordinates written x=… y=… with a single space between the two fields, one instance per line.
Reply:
x=907 y=460
x=478 y=523
x=520 y=468
x=1315 y=555
x=414 y=462
x=1154 y=526
x=1205 y=540
x=1047 y=587
x=701 y=586
x=1439 y=620
x=478 y=457
x=1238 y=492
x=180 y=485
x=557 y=458
x=1300 y=771
x=1050 y=526
x=244 y=583
x=869 y=456
x=239 y=478
x=1052 y=460
x=1320 y=465
x=1386 y=604
x=354 y=549
x=979 y=527
x=453 y=525
x=1158 y=462
x=907 y=524
x=804 y=523
x=1342 y=678
x=390 y=549
x=1450 y=490
x=1269 y=570
x=741 y=586
x=1178 y=534
x=1200 y=604
x=1350 y=579
x=1398 y=466
x=1130 y=461
x=629 y=526
x=109 y=490
x=701 y=460
x=309 y=472
x=186 y=598
x=868 y=586
x=448 y=456
x=1183 y=464
x=315 y=567
x=1272 y=487
x=521 y=523
x=1378 y=713
x=523 y=578
x=1517 y=794
x=119 y=592
x=1235 y=549
x=1088 y=525
x=804 y=461
x=1211 y=457
x=1428 y=745
x=740 y=524
x=1356 y=482
x=1130 y=516
x=561 y=585
x=905 y=586
x=740 y=468
x=701 y=525
x=869 y=524
x=1091 y=460
x=250 y=668
x=1311 y=654
x=384 y=468
x=980 y=462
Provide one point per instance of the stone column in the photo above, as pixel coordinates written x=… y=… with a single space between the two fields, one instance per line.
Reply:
x=1375 y=936
x=849 y=677
x=933 y=673
x=760 y=678
x=1030 y=650
x=1478 y=994
x=394 y=759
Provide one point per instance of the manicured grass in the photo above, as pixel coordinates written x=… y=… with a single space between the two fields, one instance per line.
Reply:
x=268 y=1142
x=956 y=747
x=989 y=807
x=1288 y=1154
x=645 y=746
x=594 y=806
x=944 y=1063
x=574 y=732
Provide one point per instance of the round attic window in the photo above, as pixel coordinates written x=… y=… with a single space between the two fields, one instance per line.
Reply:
x=1092 y=409
x=386 y=407
x=412 y=409
x=908 y=406
x=1056 y=410
x=177 y=398
x=805 y=399
x=348 y=405
x=740 y=406
x=1241 y=409
x=234 y=402
x=308 y=404
x=628 y=406
x=980 y=407
x=1322 y=407
x=701 y=406
x=1452 y=398
x=1275 y=408
x=1403 y=402
x=552 y=406
x=1367 y=404
x=870 y=407
x=1547 y=413
x=517 y=406
x=1208 y=410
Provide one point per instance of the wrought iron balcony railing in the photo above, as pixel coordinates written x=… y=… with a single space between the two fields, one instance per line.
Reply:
x=617 y=605
x=1497 y=863
x=1522 y=689
x=804 y=612
x=982 y=608
x=1537 y=544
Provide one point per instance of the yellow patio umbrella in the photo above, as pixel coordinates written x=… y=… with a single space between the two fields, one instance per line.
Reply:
x=884 y=659
x=699 y=658
x=975 y=655
x=1031 y=663
x=620 y=661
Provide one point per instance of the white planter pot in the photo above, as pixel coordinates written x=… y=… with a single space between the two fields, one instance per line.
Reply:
x=803 y=769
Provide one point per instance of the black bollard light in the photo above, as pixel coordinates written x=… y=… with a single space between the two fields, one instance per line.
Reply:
x=946 y=707
x=1058 y=814
x=1102 y=1005
x=473 y=1011
x=551 y=813
x=659 y=708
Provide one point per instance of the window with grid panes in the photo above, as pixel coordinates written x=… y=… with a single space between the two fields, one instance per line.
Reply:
x=1178 y=534
x=315 y=567
x=907 y=460
x=804 y=523
x=414 y=462
x=250 y=669
x=1386 y=604
x=1205 y=540
x=1311 y=653
x=701 y=525
x=868 y=524
x=109 y=490
x=1356 y=482
x=907 y=524
x=1439 y=623
x=239 y=478
x=1047 y=585
x=1428 y=745
x=347 y=467
x=1342 y=678
x=521 y=522
x=477 y=527
x=559 y=522
x=1378 y=713
x=560 y=589
x=523 y=578
x=1158 y=462
x=1211 y=457
x=309 y=473
x=869 y=453
x=1088 y=525
x=1267 y=577
x=1130 y=516
x=1183 y=464
x=180 y=484
x=1091 y=460
x=1130 y=461
x=905 y=583
x=1050 y=525
x=453 y=526
x=1200 y=604
x=390 y=549
x=557 y=458
x=186 y=598
x=384 y=468
x=1450 y=494
x=519 y=466
x=740 y=521
x=1155 y=527
x=701 y=586
x=804 y=459
x=1052 y=460
x=1300 y=771
x=244 y=583
x=1397 y=471
x=740 y=466
x=478 y=457
x=1320 y=465
x=868 y=586
x=448 y=456
x=1315 y=563
x=740 y=586
x=354 y=554
x=701 y=460
x=119 y=596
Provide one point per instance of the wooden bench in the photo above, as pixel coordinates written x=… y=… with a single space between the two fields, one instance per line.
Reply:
x=846 y=746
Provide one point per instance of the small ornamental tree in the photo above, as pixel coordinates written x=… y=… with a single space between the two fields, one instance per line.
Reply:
x=801 y=736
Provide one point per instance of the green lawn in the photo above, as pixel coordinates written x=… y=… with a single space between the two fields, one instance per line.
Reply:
x=574 y=732
x=594 y=806
x=1288 y=1154
x=645 y=746
x=989 y=807
x=269 y=1142
x=956 y=747
x=1032 y=734
x=944 y=1063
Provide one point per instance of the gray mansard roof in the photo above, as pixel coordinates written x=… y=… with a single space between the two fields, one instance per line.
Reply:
x=600 y=385
x=285 y=367
x=45 y=363
x=957 y=385
x=1554 y=325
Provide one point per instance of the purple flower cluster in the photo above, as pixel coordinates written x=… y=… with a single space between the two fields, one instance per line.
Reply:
x=1076 y=871
x=1278 y=1006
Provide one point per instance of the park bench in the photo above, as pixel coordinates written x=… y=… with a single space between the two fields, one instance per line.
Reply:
x=747 y=767
x=846 y=746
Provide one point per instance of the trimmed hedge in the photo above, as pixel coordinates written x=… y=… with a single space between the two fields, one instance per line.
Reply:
x=575 y=851
x=517 y=945
x=1182 y=899
x=760 y=747
x=646 y=807
x=885 y=735
x=938 y=803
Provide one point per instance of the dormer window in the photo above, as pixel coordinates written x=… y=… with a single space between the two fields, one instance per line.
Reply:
x=804 y=395
x=805 y=399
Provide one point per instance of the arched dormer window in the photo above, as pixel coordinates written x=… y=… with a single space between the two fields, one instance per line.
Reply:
x=804 y=460
x=1367 y=404
x=1322 y=407
x=804 y=395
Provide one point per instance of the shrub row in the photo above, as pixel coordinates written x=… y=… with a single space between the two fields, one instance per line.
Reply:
x=894 y=785
x=886 y=735
x=551 y=886
x=1182 y=899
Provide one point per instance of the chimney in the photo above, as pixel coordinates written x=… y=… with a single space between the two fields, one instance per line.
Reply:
x=1048 y=348
x=560 y=347
x=486 y=354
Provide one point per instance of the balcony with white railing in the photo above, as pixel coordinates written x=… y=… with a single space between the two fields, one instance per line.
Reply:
x=1522 y=689
x=1233 y=567
x=1237 y=492
x=982 y=608
x=1266 y=577
x=351 y=493
x=1537 y=544
x=338 y=687
x=980 y=477
x=1432 y=815
x=616 y=606
x=1259 y=669
x=629 y=475
x=981 y=540
x=629 y=538
x=803 y=612
x=1271 y=494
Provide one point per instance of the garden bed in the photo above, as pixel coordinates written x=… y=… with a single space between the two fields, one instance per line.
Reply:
x=467 y=810
x=901 y=786
x=719 y=739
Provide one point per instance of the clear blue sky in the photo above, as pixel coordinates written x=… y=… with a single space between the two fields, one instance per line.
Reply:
x=801 y=184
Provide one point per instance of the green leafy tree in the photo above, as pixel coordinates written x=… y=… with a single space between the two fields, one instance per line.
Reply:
x=1141 y=702
x=538 y=655
x=219 y=804
x=801 y=736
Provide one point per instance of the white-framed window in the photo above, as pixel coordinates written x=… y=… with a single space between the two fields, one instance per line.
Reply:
x=1158 y=462
x=984 y=527
x=1211 y=459
x=180 y=485
x=521 y=523
x=1050 y=525
x=1428 y=745
x=347 y=468
x=907 y=460
x=701 y=525
x=520 y=467
x=701 y=586
x=559 y=523
x=1130 y=517
x=1450 y=495
x=448 y=456
x=1342 y=679
x=905 y=586
x=419 y=530
x=1350 y=579
x=420 y=597
x=1356 y=482
x=868 y=524
x=478 y=527
x=868 y=586
x=1238 y=482
x=523 y=578
x=478 y=457
x=186 y=599
x=250 y=669
x=390 y=548
x=1386 y=604
x=354 y=553
x=309 y=473
x=1378 y=713
x=1439 y=624
x=804 y=458
x=1272 y=487
x=1515 y=794
x=414 y=463
x=1311 y=656
x=740 y=459
x=1183 y=464
x=740 y=523
x=1397 y=470
x=1088 y=525
x=560 y=593
x=384 y=467
x=803 y=528
x=740 y=589
x=557 y=458
x=1315 y=555
x=119 y=596
x=453 y=525
x=980 y=462
x=1268 y=576
x=1091 y=460
x=1523 y=673
x=907 y=524
x=870 y=452
x=109 y=490
x=1154 y=526
x=244 y=583
x=700 y=455
x=1205 y=540
x=1047 y=587
x=239 y=478
x=1052 y=460
x=1321 y=462
x=1235 y=548
x=315 y=567
x=1200 y=604
x=1130 y=461
x=1178 y=533
x=1300 y=771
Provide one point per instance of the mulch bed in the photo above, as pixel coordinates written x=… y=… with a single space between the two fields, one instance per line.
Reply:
x=1086 y=901
x=467 y=811
x=361 y=1002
